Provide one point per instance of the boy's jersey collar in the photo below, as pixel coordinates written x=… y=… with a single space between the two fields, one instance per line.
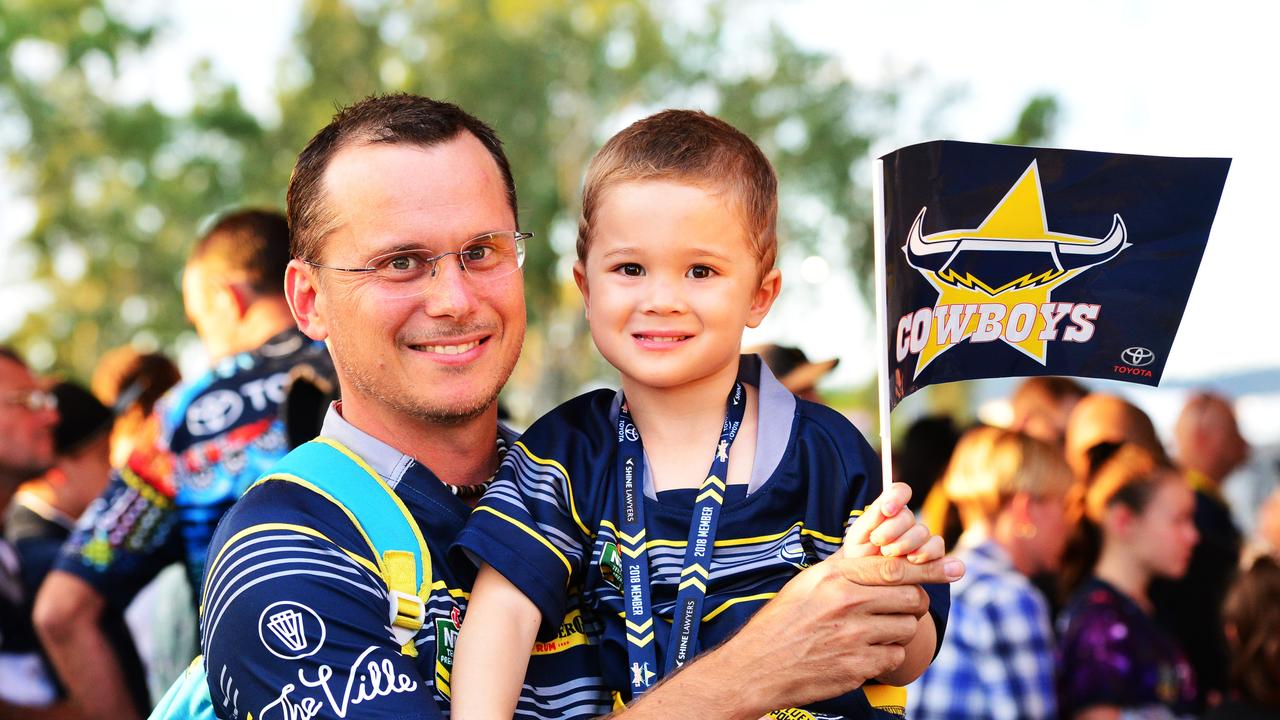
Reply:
x=775 y=417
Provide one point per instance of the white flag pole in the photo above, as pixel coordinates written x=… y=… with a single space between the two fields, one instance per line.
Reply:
x=882 y=325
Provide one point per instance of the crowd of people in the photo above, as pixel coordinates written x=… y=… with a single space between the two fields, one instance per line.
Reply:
x=1098 y=564
x=384 y=312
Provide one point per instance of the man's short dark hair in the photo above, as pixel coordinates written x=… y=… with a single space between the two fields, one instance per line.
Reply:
x=399 y=119
x=251 y=244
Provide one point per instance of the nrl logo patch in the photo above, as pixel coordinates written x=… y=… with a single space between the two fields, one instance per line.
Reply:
x=611 y=565
x=995 y=282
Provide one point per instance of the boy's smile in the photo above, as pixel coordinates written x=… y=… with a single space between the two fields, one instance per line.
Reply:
x=670 y=282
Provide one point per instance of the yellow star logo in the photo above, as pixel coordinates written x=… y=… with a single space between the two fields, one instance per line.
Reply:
x=1015 y=238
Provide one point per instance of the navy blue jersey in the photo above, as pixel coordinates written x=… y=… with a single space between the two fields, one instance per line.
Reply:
x=216 y=436
x=550 y=522
x=294 y=623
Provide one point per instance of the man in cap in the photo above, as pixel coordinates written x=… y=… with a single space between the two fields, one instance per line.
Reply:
x=794 y=369
x=407 y=263
x=213 y=437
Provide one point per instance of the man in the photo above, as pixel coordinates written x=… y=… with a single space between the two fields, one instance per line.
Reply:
x=395 y=208
x=1101 y=418
x=795 y=370
x=1042 y=404
x=1210 y=447
x=27 y=416
x=215 y=436
x=44 y=512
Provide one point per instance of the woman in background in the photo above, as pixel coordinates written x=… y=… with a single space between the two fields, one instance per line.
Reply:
x=1135 y=524
x=997 y=658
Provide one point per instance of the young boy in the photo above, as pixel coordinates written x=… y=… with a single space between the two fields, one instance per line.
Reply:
x=609 y=495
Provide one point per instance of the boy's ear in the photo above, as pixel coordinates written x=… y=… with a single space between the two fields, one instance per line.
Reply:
x=765 y=294
x=580 y=278
x=301 y=292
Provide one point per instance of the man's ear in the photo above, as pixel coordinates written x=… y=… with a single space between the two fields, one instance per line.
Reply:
x=580 y=278
x=765 y=294
x=239 y=296
x=300 y=289
x=1020 y=508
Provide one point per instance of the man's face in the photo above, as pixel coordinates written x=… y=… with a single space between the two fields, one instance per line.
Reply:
x=443 y=354
x=26 y=435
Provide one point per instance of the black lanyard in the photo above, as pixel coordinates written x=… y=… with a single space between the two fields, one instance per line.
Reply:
x=696 y=571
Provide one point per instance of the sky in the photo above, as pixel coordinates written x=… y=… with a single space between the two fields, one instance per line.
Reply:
x=1167 y=77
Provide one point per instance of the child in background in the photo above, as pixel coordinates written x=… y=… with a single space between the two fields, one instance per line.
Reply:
x=609 y=495
x=1135 y=525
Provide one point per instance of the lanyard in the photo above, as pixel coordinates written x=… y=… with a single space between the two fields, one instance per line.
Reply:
x=696 y=571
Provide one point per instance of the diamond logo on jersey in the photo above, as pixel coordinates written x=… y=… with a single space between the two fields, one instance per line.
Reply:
x=611 y=565
x=291 y=630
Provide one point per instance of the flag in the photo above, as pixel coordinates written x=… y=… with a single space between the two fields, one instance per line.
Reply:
x=998 y=261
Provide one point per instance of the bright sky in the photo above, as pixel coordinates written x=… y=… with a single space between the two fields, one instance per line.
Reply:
x=1168 y=77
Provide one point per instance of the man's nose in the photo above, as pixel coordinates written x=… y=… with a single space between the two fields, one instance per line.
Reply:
x=449 y=291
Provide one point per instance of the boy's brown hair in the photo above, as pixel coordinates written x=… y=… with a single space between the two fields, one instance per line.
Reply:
x=691 y=147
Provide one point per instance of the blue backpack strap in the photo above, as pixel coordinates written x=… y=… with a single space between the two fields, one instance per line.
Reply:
x=331 y=470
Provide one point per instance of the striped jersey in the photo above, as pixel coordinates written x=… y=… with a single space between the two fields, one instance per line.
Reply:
x=216 y=435
x=550 y=523
x=295 y=621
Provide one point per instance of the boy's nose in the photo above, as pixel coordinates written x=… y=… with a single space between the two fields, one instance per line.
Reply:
x=664 y=296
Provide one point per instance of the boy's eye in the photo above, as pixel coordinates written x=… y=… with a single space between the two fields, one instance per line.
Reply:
x=630 y=269
x=700 y=272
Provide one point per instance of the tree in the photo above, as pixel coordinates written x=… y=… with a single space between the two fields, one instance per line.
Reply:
x=125 y=187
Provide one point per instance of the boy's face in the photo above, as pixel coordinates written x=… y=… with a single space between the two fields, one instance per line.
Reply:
x=669 y=283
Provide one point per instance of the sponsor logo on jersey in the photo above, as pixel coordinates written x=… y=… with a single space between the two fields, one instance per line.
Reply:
x=996 y=282
x=572 y=633
x=446 y=640
x=611 y=565
x=291 y=630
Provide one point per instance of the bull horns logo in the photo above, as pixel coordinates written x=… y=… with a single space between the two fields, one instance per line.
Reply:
x=1008 y=266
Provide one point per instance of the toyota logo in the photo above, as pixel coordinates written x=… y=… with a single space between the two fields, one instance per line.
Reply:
x=1137 y=356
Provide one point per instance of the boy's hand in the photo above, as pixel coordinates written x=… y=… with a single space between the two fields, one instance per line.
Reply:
x=888 y=528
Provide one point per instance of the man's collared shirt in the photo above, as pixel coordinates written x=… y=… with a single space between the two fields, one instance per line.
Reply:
x=286 y=553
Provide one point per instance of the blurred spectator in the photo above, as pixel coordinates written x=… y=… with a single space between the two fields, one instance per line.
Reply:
x=1209 y=448
x=1136 y=523
x=923 y=454
x=997 y=658
x=1101 y=418
x=1042 y=404
x=794 y=369
x=1251 y=617
x=215 y=436
x=943 y=448
x=44 y=512
x=27 y=416
x=130 y=383
x=1267 y=539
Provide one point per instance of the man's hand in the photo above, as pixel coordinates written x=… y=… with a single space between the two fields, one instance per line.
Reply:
x=828 y=631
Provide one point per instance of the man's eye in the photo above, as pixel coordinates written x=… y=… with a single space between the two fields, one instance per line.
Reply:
x=400 y=264
x=630 y=269
x=477 y=253
x=700 y=272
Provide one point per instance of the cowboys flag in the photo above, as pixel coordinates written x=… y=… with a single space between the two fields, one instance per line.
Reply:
x=1002 y=261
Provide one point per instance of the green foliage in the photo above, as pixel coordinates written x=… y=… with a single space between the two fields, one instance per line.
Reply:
x=122 y=189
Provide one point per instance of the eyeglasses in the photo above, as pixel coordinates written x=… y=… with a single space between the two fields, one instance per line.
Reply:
x=33 y=400
x=406 y=273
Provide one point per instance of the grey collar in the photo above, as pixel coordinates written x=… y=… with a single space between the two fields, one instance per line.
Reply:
x=775 y=415
x=388 y=462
